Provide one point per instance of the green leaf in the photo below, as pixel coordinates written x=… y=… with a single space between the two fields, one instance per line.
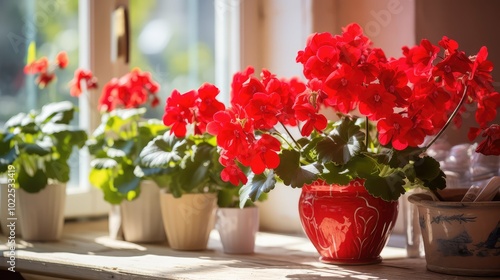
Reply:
x=150 y=129
x=389 y=187
x=60 y=112
x=78 y=138
x=228 y=197
x=8 y=151
x=399 y=159
x=427 y=170
x=125 y=181
x=410 y=173
x=66 y=140
x=256 y=186
x=121 y=149
x=57 y=169
x=194 y=174
x=98 y=133
x=34 y=149
x=163 y=150
x=101 y=178
x=309 y=151
x=337 y=174
x=96 y=147
x=119 y=124
x=7 y=159
x=103 y=163
x=292 y=173
x=18 y=120
x=437 y=183
x=31 y=184
x=344 y=142
x=125 y=114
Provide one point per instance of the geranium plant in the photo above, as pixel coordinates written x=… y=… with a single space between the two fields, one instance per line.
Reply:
x=185 y=158
x=386 y=113
x=39 y=143
x=123 y=132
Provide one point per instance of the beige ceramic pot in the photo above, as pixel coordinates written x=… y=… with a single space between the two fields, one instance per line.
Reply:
x=141 y=217
x=41 y=214
x=237 y=229
x=188 y=220
x=460 y=238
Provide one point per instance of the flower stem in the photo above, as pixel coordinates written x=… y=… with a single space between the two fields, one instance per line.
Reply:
x=455 y=112
x=367 y=132
x=290 y=135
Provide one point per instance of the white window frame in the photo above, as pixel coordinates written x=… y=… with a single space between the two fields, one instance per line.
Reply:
x=95 y=55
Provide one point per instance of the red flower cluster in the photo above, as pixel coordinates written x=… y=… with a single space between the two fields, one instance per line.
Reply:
x=45 y=70
x=410 y=97
x=83 y=78
x=129 y=91
x=193 y=107
x=257 y=107
x=407 y=99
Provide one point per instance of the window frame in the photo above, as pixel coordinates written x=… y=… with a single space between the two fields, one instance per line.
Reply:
x=95 y=54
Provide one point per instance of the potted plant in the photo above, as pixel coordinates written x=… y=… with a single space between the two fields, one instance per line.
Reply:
x=115 y=145
x=461 y=234
x=237 y=221
x=184 y=163
x=353 y=163
x=35 y=149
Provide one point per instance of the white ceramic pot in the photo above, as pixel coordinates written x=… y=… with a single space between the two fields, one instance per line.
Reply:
x=41 y=214
x=460 y=238
x=237 y=229
x=188 y=220
x=141 y=217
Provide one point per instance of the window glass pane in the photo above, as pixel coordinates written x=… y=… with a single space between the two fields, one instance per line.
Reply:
x=174 y=40
x=53 y=26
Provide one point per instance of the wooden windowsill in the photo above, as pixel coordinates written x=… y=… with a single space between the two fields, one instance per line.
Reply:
x=86 y=252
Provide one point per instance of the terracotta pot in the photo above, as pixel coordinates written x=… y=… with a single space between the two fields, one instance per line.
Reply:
x=345 y=223
x=188 y=220
x=41 y=214
x=141 y=217
x=460 y=238
x=237 y=229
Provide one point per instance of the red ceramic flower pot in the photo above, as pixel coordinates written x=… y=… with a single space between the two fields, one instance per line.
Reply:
x=345 y=223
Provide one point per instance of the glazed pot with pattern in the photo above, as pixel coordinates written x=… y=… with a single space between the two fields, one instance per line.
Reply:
x=346 y=224
x=460 y=238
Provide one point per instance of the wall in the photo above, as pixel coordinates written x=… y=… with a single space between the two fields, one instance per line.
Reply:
x=390 y=24
x=470 y=22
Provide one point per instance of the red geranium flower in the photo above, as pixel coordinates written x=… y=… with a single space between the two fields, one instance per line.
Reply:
x=62 y=59
x=491 y=144
x=375 y=102
x=132 y=90
x=394 y=129
x=84 y=77
x=266 y=154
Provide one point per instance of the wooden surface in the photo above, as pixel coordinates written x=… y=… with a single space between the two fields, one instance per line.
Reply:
x=86 y=252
